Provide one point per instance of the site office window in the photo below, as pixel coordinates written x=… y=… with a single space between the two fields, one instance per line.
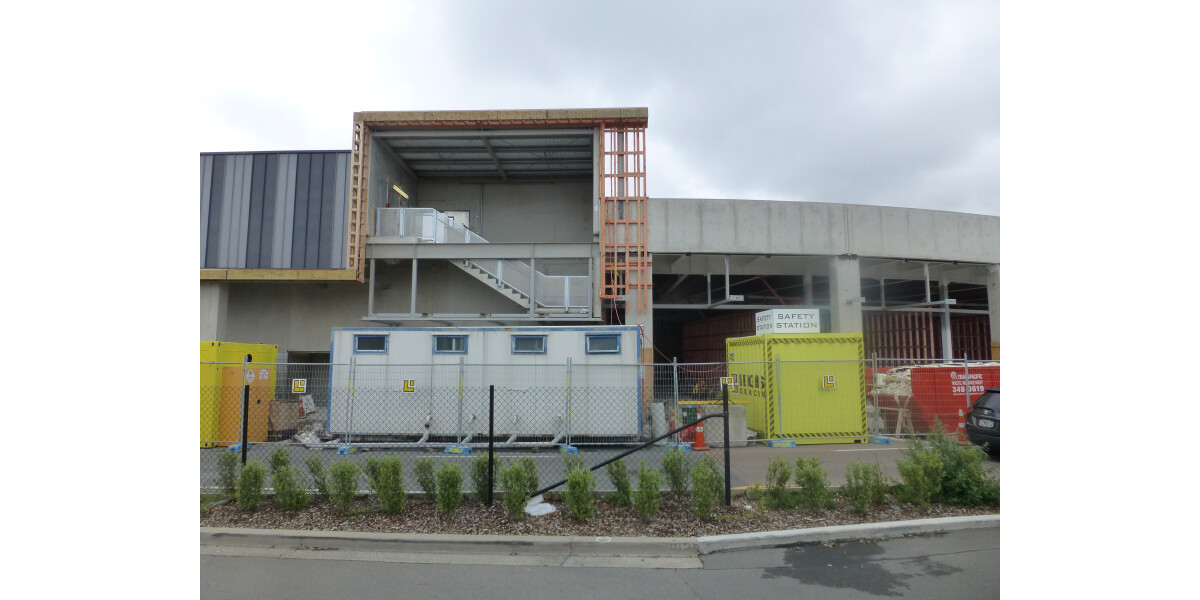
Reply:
x=449 y=344
x=370 y=344
x=528 y=344
x=603 y=343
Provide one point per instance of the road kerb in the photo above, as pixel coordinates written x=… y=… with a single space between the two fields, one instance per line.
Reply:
x=839 y=533
x=599 y=546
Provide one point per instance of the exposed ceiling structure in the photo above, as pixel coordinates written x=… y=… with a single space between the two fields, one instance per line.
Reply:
x=502 y=155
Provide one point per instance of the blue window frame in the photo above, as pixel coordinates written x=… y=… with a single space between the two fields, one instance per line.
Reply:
x=528 y=344
x=449 y=344
x=370 y=344
x=603 y=343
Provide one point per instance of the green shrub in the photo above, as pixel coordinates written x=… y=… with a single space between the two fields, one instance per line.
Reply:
x=647 y=496
x=426 y=477
x=581 y=485
x=287 y=490
x=618 y=474
x=675 y=467
x=941 y=469
x=371 y=468
x=227 y=473
x=478 y=468
x=779 y=471
x=865 y=485
x=280 y=458
x=755 y=494
x=519 y=482
x=990 y=491
x=316 y=468
x=250 y=485
x=707 y=487
x=343 y=484
x=813 y=482
x=388 y=484
x=573 y=462
x=962 y=473
x=921 y=472
x=449 y=487
x=531 y=475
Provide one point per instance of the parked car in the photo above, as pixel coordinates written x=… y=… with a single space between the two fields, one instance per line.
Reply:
x=983 y=422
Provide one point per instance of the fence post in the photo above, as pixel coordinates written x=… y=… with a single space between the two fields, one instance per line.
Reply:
x=967 y=386
x=350 y=405
x=245 y=406
x=675 y=388
x=875 y=392
x=461 y=375
x=491 y=441
x=568 y=401
x=728 y=480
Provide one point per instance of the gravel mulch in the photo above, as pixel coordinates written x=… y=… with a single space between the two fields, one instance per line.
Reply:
x=673 y=519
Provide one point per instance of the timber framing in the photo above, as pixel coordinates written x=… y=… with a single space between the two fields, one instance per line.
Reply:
x=366 y=123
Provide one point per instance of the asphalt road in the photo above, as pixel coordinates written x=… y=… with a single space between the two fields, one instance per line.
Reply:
x=961 y=564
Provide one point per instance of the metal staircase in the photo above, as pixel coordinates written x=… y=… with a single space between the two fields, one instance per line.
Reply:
x=494 y=281
x=515 y=279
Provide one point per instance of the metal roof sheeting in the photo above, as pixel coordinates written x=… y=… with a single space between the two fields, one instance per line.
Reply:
x=273 y=210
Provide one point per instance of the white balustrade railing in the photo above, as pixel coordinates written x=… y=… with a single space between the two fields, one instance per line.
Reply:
x=569 y=292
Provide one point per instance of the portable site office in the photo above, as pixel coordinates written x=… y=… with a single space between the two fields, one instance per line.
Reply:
x=804 y=387
x=553 y=384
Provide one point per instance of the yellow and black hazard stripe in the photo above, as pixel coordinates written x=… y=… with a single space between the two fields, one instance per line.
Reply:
x=833 y=340
x=772 y=428
x=824 y=434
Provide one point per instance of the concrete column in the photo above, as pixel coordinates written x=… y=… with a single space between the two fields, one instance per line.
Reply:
x=646 y=319
x=845 y=293
x=947 y=338
x=993 y=290
x=214 y=310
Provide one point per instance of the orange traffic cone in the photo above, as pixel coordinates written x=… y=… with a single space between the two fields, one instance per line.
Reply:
x=700 y=446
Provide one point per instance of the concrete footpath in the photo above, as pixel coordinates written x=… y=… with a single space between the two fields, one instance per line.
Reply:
x=677 y=552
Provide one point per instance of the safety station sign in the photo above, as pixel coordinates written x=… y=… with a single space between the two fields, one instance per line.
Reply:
x=787 y=320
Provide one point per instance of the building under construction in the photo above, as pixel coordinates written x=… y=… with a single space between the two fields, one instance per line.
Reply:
x=543 y=217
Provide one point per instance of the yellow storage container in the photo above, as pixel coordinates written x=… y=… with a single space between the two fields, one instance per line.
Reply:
x=804 y=387
x=222 y=378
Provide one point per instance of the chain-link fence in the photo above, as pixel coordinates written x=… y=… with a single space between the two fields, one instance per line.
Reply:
x=911 y=396
x=455 y=412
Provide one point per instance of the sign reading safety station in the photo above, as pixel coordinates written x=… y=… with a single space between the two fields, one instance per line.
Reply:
x=787 y=320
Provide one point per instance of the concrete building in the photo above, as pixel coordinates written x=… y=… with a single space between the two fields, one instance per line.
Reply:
x=541 y=217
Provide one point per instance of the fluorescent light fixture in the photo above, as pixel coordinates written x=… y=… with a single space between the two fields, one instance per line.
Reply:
x=399 y=191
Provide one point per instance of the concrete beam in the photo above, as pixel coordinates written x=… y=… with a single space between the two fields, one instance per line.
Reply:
x=382 y=247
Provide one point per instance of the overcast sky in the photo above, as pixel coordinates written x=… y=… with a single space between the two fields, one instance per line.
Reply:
x=875 y=102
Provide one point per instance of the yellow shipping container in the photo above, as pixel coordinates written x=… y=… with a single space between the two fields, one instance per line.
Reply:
x=805 y=387
x=221 y=388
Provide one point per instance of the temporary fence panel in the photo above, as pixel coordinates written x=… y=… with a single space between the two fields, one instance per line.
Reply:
x=223 y=378
x=943 y=393
x=911 y=395
x=550 y=381
x=808 y=387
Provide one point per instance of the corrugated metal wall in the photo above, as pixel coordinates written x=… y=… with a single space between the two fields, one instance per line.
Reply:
x=704 y=340
x=273 y=210
x=919 y=335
